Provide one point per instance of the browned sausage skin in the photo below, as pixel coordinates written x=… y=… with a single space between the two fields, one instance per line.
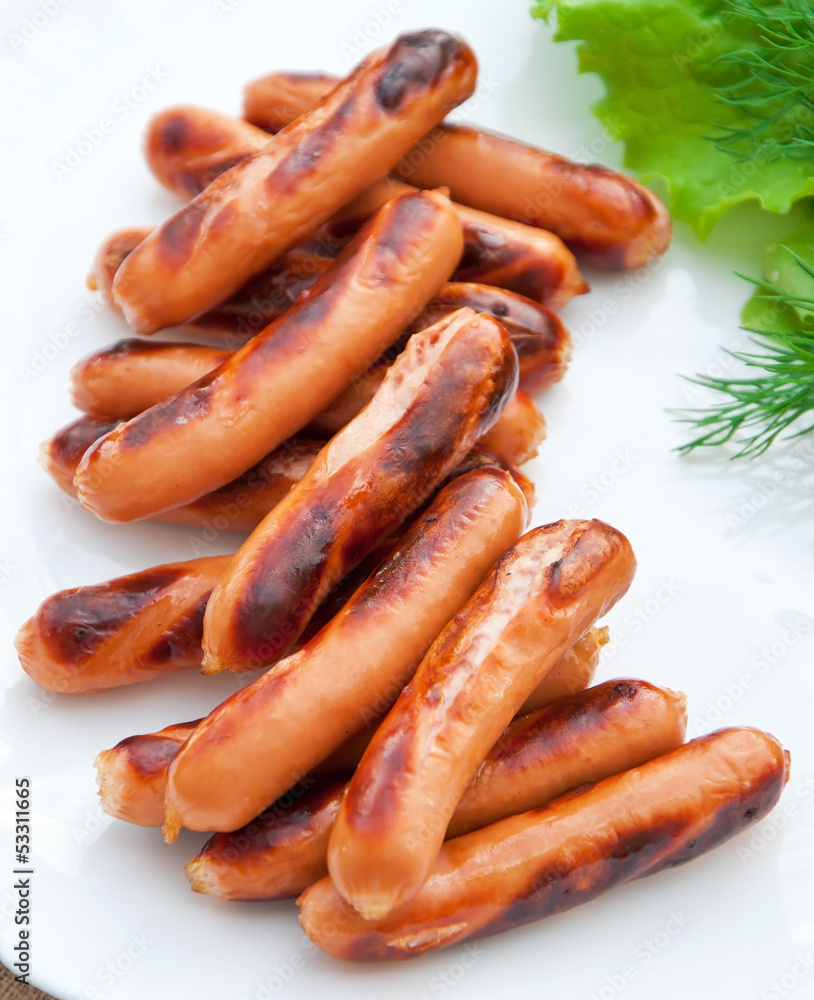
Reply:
x=612 y=221
x=270 y=201
x=293 y=716
x=109 y=259
x=519 y=432
x=187 y=446
x=133 y=374
x=573 y=672
x=132 y=776
x=579 y=739
x=658 y=815
x=543 y=594
x=238 y=506
x=124 y=631
x=61 y=454
x=441 y=395
x=278 y=854
x=275 y=100
x=497 y=251
x=187 y=146
x=542 y=344
x=537 y=333
x=263 y=298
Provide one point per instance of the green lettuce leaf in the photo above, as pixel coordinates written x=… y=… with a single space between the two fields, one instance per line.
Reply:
x=665 y=67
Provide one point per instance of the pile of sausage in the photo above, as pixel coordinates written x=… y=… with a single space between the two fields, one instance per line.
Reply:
x=421 y=758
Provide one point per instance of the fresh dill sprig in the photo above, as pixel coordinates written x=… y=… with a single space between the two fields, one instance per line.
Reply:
x=760 y=409
x=776 y=89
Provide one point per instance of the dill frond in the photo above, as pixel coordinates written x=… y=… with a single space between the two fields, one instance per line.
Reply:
x=776 y=87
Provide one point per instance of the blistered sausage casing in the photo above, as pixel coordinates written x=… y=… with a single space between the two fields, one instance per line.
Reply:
x=578 y=739
x=659 y=815
x=441 y=395
x=215 y=429
x=306 y=706
x=268 y=202
x=543 y=594
x=130 y=629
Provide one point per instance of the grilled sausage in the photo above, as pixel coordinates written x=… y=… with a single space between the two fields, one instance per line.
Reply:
x=277 y=99
x=238 y=506
x=109 y=259
x=61 y=454
x=658 y=815
x=130 y=629
x=132 y=776
x=519 y=432
x=609 y=219
x=541 y=597
x=441 y=395
x=263 y=298
x=573 y=672
x=219 y=426
x=270 y=201
x=133 y=374
x=497 y=251
x=319 y=696
x=579 y=739
x=278 y=854
x=541 y=340
x=186 y=147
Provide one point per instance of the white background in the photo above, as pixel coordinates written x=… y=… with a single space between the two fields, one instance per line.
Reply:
x=723 y=599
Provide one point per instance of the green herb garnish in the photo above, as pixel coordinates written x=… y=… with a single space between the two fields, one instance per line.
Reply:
x=780 y=317
x=777 y=87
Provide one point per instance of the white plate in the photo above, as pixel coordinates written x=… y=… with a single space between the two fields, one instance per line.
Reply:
x=723 y=605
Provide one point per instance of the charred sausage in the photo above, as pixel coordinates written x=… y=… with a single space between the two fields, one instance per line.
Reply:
x=541 y=597
x=293 y=716
x=130 y=629
x=219 y=426
x=577 y=740
x=608 y=218
x=441 y=395
x=238 y=506
x=132 y=776
x=270 y=201
x=658 y=815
